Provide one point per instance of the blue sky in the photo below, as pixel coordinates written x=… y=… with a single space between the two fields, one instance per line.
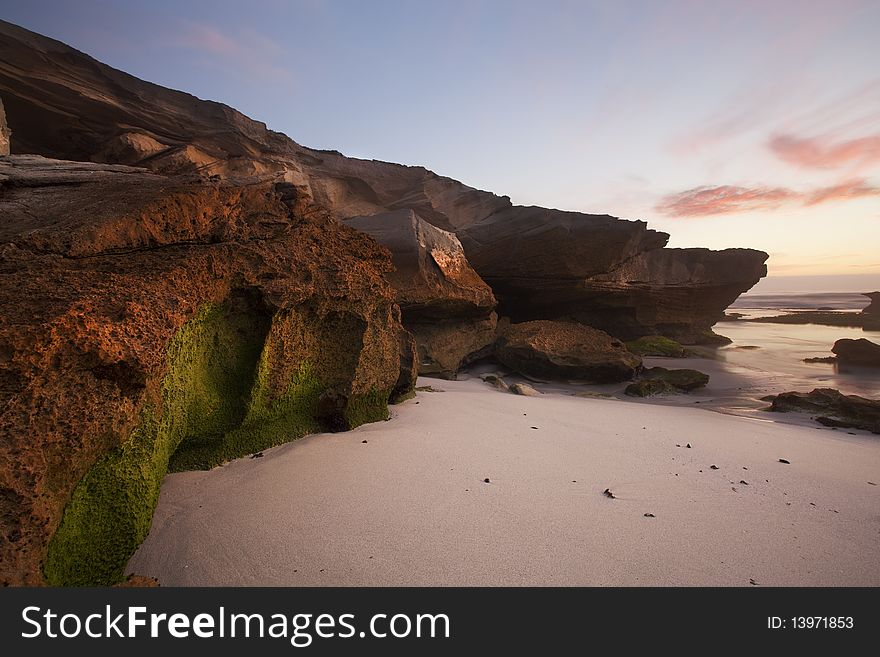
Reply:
x=724 y=123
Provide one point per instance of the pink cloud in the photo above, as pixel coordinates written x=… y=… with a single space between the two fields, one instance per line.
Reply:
x=730 y=199
x=246 y=51
x=209 y=39
x=844 y=191
x=724 y=199
x=818 y=154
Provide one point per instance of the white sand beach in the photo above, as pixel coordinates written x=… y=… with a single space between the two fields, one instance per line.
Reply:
x=404 y=502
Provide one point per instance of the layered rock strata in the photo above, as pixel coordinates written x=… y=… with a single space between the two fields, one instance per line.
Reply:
x=153 y=323
x=547 y=350
x=444 y=303
x=611 y=274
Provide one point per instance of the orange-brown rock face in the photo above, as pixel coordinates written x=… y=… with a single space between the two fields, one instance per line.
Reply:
x=678 y=293
x=149 y=319
x=152 y=320
x=444 y=302
x=540 y=263
x=553 y=350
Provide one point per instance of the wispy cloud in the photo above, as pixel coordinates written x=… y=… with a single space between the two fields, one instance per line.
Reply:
x=844 y=191
x=730 y=199
x=245 y=51
x=817 y=153
x=784 y=110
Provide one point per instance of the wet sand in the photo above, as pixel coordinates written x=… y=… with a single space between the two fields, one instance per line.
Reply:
x=410 y=506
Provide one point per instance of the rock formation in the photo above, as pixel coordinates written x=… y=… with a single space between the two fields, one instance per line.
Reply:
x=866 y=321
x=5 y=132
x=650 y=388
x=152 y=322
x=857 y=352
x=545 y=350
x=872 y=308
x=611 y=274
x=831 y=408
x=443 y=301
x=179 y=288
x=605 y=272
x=659 y=380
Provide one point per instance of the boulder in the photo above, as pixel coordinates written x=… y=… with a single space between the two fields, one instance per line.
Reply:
x=189 y=322
x=857 y=352
x=682 y=379
x=649 y=388
x=524 y=389
x=872 y=308
x=831 y=408
x=444 y=347
x=543 y=350
x=443 y=301
x=496 y=381
x=659 y=380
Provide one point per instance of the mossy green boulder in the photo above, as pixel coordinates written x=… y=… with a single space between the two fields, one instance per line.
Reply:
x=656 y=345
x=219 y=400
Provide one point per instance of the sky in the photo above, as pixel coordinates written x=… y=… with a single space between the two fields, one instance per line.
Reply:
x=744 y=123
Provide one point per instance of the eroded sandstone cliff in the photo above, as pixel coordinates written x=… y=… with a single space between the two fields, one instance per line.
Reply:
x=445 y=304
x=153 y=322
x=179 y=288
x=540 y=263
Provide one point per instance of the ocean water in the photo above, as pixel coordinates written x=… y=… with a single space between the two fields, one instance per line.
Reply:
x=772 y=355
x=763 y=359
x=850 y=301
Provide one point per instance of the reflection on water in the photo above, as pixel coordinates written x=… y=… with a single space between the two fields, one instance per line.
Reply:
x=782 y=349
x=764 y=359
x=816 y=301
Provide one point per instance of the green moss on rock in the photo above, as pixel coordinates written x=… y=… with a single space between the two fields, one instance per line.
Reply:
x=218 y=402
x=656 y=345
x=267 y=422
x=649 y=388
x=369 y=407
x=110 y=511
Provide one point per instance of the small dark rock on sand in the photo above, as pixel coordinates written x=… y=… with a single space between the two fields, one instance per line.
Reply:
x=607 y=493
x=659 y=380
x=785 y=461
x=831 y=408
x=650 y=515
x=428 y=389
